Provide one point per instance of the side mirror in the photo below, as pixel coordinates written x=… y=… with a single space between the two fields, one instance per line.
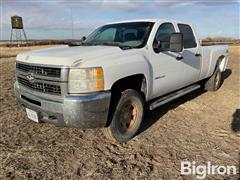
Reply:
x=156 y=46
x=83 y=38
x=176 y=42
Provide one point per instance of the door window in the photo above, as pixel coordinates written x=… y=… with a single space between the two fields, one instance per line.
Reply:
x=163 y=35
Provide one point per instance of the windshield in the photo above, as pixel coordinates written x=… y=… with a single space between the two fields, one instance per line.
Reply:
x=132 y=35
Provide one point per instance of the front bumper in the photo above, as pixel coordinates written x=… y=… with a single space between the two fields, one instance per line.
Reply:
x=87 y=111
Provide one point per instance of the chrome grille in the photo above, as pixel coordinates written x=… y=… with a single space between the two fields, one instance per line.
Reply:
x=40 y=86
x=38 y=70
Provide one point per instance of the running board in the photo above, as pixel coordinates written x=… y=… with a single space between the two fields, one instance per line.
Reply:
x=172 y=96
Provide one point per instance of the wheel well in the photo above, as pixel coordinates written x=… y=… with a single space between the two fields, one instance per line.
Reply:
x=219 y=62
x=136 y=82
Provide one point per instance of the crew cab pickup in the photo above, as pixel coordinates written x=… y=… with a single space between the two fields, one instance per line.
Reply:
x=115 y=73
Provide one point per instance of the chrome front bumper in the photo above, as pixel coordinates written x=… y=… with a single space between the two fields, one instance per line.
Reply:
x=87 y=111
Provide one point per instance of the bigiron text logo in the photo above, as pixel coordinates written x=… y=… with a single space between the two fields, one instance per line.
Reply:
x=201 y=171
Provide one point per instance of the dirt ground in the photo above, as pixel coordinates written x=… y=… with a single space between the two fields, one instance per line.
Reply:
x=201 y=127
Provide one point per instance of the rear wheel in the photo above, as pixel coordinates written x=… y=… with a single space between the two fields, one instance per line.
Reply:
x=127 y=117
x=214 y=83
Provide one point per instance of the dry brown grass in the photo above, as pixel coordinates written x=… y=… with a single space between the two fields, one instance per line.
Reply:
x=7 y=52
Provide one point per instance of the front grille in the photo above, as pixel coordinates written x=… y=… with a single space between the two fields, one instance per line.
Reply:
x=40 y=86
x=38 y=70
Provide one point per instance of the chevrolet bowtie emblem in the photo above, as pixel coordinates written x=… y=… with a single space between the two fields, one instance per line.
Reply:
x=30 y=78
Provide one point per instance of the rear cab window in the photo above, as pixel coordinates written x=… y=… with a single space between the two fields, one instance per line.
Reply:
x=189 y=40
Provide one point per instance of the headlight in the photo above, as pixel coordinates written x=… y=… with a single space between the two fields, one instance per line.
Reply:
x=84 y=80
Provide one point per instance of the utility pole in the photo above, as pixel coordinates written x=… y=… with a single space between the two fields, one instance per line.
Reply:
x=72 y=23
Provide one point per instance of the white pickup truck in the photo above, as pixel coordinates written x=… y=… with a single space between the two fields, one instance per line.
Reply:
x=115 y=73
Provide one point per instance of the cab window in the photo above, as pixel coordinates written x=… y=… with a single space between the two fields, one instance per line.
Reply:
x=163 y=35
x=188 y=36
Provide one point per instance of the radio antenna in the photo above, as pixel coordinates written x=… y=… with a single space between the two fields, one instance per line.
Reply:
x=72 y=23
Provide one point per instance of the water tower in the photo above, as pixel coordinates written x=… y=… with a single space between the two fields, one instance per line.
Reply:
x=17 y=33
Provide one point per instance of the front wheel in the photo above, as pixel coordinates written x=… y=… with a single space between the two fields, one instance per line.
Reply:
x=127 y=117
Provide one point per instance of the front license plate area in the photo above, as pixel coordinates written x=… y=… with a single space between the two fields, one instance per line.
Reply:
x=32 y=115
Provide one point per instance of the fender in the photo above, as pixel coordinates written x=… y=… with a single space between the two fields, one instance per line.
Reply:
x=125 y=66
x=217 y=56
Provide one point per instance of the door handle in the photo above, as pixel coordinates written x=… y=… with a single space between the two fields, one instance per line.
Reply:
x=197 y=54
x=179 y=58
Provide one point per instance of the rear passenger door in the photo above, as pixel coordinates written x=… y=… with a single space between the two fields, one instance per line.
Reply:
x=191 y=57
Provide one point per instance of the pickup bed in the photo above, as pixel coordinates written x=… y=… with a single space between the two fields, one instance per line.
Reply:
x=115 y=73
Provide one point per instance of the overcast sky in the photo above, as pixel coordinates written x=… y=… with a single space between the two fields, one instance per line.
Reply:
x=54 y=19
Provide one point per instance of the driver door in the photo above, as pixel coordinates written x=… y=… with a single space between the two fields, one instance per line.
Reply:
x=167 y=69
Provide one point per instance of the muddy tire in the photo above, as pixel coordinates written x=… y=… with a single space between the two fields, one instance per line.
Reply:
x=214 y=83
x=127 y=118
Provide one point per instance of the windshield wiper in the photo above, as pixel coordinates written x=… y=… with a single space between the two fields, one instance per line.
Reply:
x=110 y=44
x=100 y=44
x=123 y=47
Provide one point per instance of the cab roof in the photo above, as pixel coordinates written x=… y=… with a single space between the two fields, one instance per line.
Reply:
x=144 y=20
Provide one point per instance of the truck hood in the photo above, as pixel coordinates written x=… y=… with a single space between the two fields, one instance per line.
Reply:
x=67 y=56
